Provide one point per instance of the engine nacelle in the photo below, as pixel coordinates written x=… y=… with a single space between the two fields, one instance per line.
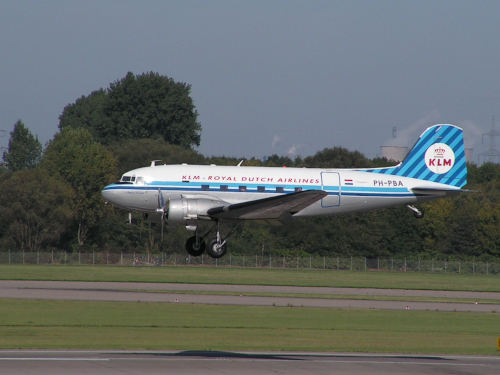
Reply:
x=180 y=210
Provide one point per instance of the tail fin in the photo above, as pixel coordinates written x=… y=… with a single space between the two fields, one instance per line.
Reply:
x=438 y=156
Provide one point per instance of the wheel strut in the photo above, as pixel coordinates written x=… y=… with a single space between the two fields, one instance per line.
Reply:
x=222 y=242
x=217 y=246
x=418 y=213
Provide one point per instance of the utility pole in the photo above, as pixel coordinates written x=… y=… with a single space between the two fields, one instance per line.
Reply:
x=492 y=155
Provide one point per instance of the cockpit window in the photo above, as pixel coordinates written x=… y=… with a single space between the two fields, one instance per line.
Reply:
x=133 y=178
x=140 y=180
x=126 y=178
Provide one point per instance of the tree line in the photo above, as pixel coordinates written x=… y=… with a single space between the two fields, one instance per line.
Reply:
x=50 y=196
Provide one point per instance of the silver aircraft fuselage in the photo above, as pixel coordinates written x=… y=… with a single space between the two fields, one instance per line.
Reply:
x=348 y=190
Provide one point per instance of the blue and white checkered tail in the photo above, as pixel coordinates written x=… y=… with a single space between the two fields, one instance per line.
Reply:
x=438 y=156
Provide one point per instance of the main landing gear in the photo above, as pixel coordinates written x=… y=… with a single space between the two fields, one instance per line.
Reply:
x=195 y=246
x=418 y=213
x=216 y=246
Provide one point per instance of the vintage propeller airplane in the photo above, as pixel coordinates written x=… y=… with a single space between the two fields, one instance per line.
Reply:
x=191 y=195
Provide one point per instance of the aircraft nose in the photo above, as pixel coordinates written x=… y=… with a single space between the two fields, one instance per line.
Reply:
x=108 y=194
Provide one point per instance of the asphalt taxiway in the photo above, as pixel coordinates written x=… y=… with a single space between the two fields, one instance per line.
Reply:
x=159 y=292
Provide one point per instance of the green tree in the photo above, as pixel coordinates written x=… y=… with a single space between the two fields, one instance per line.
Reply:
x=86 y=112
x=435 y=228
x=279 y=161
x=34 y=210
x=337 y=157
x=87 y=167
x=3 y=172
x=137 y=153
x=228 y=160
x=488 y=224
x=485 y=173
x=144 y=106
x=382 y=162
x=24 y=151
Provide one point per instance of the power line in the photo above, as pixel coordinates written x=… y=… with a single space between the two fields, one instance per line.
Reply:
x=492 y=155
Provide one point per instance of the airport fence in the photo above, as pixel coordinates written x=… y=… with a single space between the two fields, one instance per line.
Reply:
x=251 y=261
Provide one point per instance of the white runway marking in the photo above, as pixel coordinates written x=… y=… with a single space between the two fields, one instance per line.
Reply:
x=53 y=359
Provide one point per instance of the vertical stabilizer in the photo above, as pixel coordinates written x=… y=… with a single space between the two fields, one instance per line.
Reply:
x=438 y=156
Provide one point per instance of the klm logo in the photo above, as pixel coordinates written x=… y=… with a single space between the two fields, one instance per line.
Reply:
x=440 y=158
x=440 y=162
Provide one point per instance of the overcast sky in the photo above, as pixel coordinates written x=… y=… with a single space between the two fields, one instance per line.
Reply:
x=284 y=77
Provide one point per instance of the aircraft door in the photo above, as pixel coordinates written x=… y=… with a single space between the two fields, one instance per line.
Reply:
x=330 y=182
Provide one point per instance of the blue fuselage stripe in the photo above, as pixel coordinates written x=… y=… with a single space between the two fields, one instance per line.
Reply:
x=215 y=188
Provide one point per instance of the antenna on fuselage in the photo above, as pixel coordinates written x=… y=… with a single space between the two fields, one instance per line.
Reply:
x=153 y=163
x=239 y=164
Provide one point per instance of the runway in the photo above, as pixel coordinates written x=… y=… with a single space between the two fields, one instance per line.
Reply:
x=173 y=293
x=207 y=363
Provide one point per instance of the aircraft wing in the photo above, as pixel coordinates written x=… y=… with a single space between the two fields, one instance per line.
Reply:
x=440 y=192
x=275 y=210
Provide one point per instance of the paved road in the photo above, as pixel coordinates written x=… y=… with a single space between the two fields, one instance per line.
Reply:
x=207 y=363
x=126 y=292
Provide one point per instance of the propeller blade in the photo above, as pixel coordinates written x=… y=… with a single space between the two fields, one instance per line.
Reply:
x=162 y=226
x=161 y=202
x=161 y=208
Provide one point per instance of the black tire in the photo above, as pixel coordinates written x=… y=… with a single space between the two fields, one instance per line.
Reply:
x=214 y=251
x=192 y=249
x=418 y=215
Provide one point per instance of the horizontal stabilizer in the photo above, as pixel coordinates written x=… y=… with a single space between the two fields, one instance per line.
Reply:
x=440 y=192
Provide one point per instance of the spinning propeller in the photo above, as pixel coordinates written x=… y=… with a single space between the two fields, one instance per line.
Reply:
x=163 y=209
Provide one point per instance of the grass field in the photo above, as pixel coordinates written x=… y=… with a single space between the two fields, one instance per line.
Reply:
x=26 y=324
x=245 y=276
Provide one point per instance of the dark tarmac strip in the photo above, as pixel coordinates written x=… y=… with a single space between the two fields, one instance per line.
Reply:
x=240 y=288
x=130 y=292
x=56 y=362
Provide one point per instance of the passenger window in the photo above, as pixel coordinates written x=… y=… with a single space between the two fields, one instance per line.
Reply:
x=243 y=188
x=224 y=187
x=280 y=189
x=205 y=187
x=298 y=189
x=261 y=189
